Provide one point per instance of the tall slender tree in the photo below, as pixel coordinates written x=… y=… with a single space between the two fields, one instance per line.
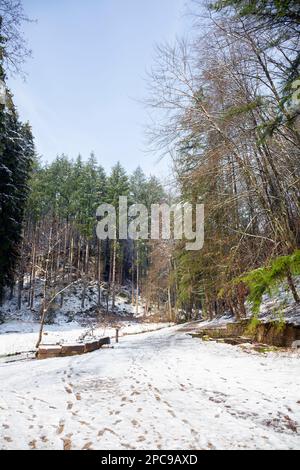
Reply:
x=16 y=154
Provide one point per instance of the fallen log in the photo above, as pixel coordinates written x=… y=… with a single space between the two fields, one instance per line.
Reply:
x=48 y=351
x=91 y=346
x=104 y=342
x=72 y=349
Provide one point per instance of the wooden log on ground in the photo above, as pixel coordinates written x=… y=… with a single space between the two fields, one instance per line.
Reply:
x=236 y=341
x=91 y=346
x=49 y=351
x=103 y=342
x=72 y=349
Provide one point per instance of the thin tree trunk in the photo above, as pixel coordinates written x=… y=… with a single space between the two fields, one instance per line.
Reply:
x=293 y=287
x=78 y=253
x=99 y=272
x=70 y=275
x=21 y=278
x=137 y=280
x=132 y=282
x=114 y=276
x=83 y=293
x=170 y=304
x=43 y=306
x=33 y=271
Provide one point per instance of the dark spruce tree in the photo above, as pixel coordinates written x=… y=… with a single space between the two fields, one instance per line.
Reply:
x=16 y=154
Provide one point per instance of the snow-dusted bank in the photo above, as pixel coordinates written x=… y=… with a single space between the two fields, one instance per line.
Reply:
x=71 y=322
x=159 y=390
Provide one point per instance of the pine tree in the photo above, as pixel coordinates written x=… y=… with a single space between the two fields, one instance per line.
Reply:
x=117 y=185
x=16 y=154
x=270 y=12
x=138 y=189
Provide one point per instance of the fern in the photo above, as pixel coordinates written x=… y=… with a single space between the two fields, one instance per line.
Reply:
x=265 y=280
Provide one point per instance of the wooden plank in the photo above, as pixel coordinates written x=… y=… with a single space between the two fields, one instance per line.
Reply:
x=72 y=349
x=49 y=351
x=104 y=342
x=91 y=346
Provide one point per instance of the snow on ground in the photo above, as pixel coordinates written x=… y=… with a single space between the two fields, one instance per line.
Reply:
x=160 y=390
x=20 y=336
x=71 y=321
x=216 y=322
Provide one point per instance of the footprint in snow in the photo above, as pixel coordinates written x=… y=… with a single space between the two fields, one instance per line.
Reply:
x=61 y=427
x=84 y=423
x=117 y=422
x=87 y=446
x=32 y=444
x=101 y=433
x=67 y=443
x=172 y=413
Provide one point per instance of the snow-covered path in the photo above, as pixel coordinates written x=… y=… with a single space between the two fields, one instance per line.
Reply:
x=161 y=390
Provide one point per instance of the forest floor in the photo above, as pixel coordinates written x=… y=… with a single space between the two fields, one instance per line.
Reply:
x=158 y=390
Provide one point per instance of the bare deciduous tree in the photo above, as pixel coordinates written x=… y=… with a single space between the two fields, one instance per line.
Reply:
x=15 y=45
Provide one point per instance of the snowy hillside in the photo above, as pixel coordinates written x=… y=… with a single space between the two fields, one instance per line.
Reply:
x=71 y=308
x=71 y=322
x=280 y=305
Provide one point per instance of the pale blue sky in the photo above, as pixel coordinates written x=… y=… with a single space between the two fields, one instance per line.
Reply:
x=87 y=76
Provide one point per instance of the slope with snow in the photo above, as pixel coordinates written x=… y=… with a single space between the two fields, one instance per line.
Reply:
x=71 y=322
